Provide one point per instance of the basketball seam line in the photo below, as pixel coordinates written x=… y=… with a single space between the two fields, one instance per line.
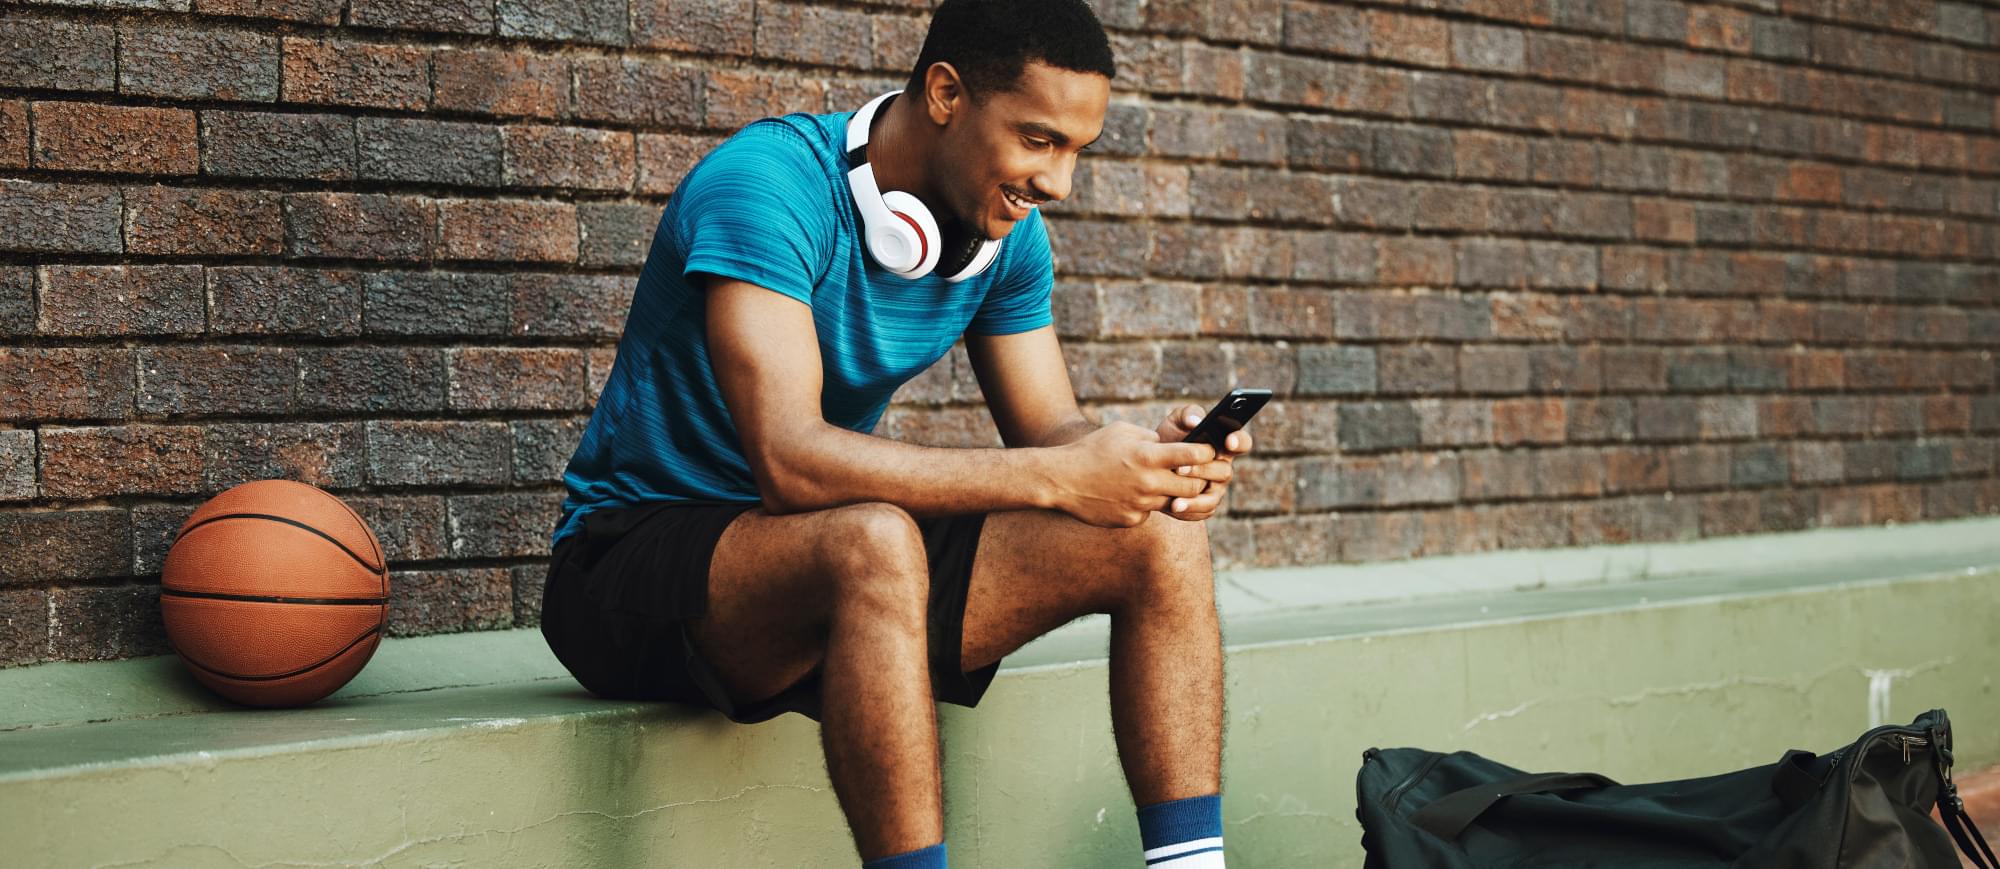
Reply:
x=306 y=669
x=374 y=545
x=294 y=522
x=265 y=598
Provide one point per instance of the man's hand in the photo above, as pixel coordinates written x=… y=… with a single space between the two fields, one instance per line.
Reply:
x=1116 y=475
x=1216 y=473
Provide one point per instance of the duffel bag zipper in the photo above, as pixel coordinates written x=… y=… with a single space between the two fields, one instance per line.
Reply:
x=1905 y=738
x=1395 y=794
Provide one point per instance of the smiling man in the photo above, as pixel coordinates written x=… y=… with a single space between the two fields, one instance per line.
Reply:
x=735 y=538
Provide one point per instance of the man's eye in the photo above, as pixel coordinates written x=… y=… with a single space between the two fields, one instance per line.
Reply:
x=1035 y=144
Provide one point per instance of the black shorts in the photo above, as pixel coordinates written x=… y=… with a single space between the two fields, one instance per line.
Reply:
x=619 y=593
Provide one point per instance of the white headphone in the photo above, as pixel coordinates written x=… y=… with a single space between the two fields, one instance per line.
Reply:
x=897 y=229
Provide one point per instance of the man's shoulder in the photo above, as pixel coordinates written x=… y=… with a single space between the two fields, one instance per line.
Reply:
x=799 y=140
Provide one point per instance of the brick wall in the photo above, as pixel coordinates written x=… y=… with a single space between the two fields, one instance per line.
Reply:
x=1524 y=273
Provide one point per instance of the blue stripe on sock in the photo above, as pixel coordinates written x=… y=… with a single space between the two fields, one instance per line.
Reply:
x=922 y=858
x=1184 y=854
x=1179 y=821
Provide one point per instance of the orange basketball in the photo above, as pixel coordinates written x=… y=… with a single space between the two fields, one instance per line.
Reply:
x=274 y=593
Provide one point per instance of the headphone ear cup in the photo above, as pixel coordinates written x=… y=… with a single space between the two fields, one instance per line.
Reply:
x=895 y=244
x=916 y=219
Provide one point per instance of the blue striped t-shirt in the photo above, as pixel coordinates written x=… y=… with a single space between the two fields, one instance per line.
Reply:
x=771 y=206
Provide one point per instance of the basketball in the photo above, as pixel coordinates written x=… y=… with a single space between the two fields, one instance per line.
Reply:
x=274 y=593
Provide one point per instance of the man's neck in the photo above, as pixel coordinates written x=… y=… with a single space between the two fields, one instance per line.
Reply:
x=898 y=142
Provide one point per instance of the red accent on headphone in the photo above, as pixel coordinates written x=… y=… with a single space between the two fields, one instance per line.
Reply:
x=923 y=243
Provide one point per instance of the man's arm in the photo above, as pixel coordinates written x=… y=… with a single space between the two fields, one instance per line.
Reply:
x=1027 y=388
x=765 y=354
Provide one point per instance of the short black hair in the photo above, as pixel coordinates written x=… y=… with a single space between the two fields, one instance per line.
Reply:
x=990 y=42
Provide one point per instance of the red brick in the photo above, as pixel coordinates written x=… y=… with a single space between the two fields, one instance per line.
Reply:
x=194 y=379
x=64 y=383
x=500 y=378
x=1409 y=38
x=1517 y=421
x=501 y=82
x=122 y=300
x=445 y=601
x=13 y=134
x=86 y=137
x=1533 y=316
x=951 y=428
x=1489 y=156
x=570 y=157
x=82 y=463
x=664 y=158
x=1378 y=536
x=1408 y=261
x=507 y=230
x=343 y=73
x=1284 y=541
x=165 y=220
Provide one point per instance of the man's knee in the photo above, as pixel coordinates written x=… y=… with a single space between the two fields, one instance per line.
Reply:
x=873 y=554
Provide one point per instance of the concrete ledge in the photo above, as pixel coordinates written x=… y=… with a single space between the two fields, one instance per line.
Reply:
x=478 y=749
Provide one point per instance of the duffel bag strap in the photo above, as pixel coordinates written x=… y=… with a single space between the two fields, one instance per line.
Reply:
x=1447 y=816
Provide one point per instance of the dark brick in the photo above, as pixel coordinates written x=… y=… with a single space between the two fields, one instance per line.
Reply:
x=438 y=453
x=57 y=55
x=501 y=378
x=1411 y=315
x=308 y=11
x=435 y=152
x=153 y=530
x=615 y=234
x=17 y=464
x=814 y=35
x=507 y=230
x=568 y=157
x=1325 y=29
x=1328 y=369
x=17 y=300
x=707 y=26
x=1385 y=481
x=1869 y=461
x=1753 y=465
x=327 y=455
x=1670 y=419
x=500 y=82
x=1378 y=426
x=176 y=63
x=1425 y=369
x=598 y=21
x=257 y=300
x=53 y=383
x=1657 y=20
x=1697 y=370
x=1488 y=49
x=570 y=305
x=371 y=379
x=543 y=447
x=1193 y=370
x=81 y=463
x=528 y=581
x=1414 y=151
x=1923 y=460
x=1496 y=369
x=1091 y=247
x=410 y=528
x=187 y=222
x=1106 y=371
x=436 y=303
x=359 y=226
x=122 y=300
x=262 y=145
x=212 y=380
x=97 y=623
x=453 y=16
x=24 y=626
x=1328 y=143
x=1156 y=309
x=340 y=73
x=444 y=601
x=647 y=93
x=86 y=137
x=47 y=546
x=502 y=525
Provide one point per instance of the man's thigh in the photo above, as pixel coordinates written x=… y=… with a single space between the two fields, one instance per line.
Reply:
x=1037 y=570
x=768 y=602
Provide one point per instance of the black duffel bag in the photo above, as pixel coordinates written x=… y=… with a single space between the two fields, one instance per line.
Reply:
x=1866 y=805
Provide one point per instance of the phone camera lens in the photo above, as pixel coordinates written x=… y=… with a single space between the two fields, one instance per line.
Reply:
x=1238 y=404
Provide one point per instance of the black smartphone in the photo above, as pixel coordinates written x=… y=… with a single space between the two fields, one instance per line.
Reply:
x=1232 y=413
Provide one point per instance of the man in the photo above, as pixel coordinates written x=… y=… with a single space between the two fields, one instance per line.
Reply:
x=734 y=537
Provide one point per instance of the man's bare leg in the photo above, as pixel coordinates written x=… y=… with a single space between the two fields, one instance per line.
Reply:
x=847 y=588
x=1036 y=571
x=774 y=589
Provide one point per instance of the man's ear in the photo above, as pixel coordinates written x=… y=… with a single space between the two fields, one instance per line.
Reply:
x=944 y=93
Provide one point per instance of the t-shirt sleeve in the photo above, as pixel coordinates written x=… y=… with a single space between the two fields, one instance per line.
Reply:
x=756 y=210
x=1019 y=298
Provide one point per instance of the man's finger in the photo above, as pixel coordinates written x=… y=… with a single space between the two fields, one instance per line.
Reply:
x=1174 y=455
x=1237 y=444
x=1218 y=471
x=1198 y=505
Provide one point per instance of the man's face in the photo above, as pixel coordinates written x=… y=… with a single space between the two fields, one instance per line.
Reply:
x=1010 y=151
